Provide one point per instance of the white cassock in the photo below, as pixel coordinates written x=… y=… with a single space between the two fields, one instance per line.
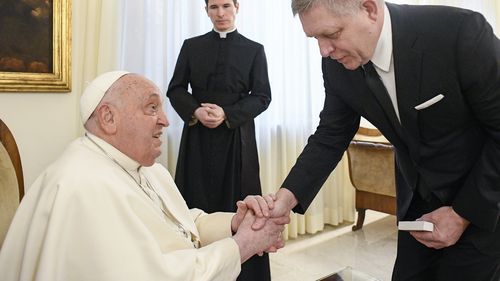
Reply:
x=85 y=218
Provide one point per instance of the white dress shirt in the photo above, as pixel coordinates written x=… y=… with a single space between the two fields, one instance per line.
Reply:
x=384 y=62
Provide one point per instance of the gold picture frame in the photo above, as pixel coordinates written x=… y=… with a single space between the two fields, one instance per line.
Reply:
x=28 y=25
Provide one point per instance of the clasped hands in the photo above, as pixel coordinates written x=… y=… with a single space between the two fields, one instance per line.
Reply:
x=256 y=222
x=210 y=115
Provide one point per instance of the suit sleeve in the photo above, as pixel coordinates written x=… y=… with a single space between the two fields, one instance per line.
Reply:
x=478 y=56
x=181 y=99
x=324 y=149
x=255 y=102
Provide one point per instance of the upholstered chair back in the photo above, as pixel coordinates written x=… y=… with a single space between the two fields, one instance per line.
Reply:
x=11 y=179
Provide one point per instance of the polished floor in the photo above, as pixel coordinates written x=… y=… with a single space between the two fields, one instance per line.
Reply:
x=371 y=250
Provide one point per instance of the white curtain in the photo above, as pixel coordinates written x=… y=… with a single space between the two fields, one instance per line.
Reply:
x=96 y=42
x=152 y=35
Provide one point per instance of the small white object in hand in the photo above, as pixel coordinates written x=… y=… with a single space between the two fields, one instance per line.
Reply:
x=416 y=226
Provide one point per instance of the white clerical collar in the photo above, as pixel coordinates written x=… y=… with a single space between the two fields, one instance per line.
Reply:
x=128 y=163
x=223 y=34
x=383 y=51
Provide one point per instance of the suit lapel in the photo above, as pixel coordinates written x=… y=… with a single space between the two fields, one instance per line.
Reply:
x=407 y=70
x=373 y=111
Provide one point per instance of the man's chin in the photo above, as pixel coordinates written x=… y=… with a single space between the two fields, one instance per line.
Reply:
x=222 y=27
x=150 y=162
x=351 y=65
x=158 y=153
x=348 y=63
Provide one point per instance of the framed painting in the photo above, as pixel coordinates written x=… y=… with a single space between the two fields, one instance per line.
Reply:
x=35 y=46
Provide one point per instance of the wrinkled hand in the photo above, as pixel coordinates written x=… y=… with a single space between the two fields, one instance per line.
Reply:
x=284 y=201
x=260 y=205
x=251 y=242
x=448 y=227
x=280 y=243
x=210 y=115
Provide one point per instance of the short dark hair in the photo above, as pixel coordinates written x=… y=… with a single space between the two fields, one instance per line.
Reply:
x=234 y=1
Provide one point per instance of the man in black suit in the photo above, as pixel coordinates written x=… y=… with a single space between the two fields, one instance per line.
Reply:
x=428 y=77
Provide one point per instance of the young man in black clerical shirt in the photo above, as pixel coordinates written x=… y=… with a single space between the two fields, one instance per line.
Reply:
x=218 y=162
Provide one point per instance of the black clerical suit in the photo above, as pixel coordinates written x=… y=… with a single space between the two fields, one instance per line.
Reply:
x=217 y=167
x=447 y=154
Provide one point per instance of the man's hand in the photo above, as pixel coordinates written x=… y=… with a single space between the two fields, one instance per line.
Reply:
x=448 y=227
x=215 y=110
x=284 y=201
x=260 y=205
x=210 y=115
x=251 y=242
x=203 y=115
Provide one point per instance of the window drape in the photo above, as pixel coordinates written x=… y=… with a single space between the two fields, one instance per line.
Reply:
x=96 y=41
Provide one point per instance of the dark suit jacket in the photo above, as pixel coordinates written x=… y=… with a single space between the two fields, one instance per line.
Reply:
x=450 y=149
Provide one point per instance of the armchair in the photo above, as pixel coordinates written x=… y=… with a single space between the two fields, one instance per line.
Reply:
x=372 y=173
x=11 y=179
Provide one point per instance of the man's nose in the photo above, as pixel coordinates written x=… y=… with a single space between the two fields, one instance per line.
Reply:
x=220 y=12
x=325 y=47
x=162 y=119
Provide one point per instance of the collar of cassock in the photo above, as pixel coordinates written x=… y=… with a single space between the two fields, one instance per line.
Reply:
x=128 y=163
x=223 y=34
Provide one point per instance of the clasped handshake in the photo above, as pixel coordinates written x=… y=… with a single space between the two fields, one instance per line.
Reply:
x=258 y=225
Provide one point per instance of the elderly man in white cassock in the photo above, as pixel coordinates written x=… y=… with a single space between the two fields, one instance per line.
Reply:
x=106 y=211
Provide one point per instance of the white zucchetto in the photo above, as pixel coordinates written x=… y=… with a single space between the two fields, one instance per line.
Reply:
x=96 y=90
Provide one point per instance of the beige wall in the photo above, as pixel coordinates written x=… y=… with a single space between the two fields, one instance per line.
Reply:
x=44 y=123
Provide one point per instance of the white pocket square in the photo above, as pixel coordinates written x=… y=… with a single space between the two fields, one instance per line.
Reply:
x=429 y=102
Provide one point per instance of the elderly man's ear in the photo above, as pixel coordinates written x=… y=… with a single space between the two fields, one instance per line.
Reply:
x=106 y=115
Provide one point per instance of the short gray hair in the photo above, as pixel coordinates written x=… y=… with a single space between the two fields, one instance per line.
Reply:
x=339 y=7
